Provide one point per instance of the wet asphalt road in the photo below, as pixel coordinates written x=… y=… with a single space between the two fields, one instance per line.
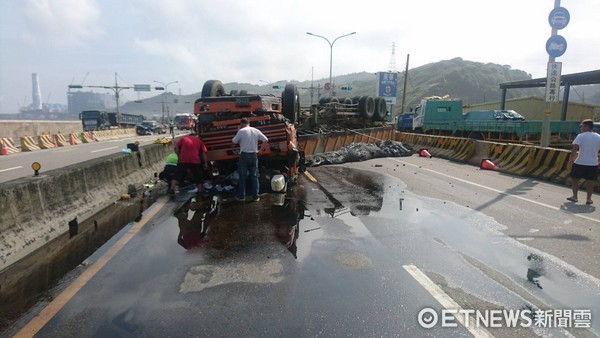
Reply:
x=334 y=258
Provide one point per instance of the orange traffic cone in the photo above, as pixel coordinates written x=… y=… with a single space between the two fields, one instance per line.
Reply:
x=4 y=149
x=424 y=153
x=486 y=164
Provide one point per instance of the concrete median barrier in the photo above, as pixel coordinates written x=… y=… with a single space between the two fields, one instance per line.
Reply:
x=35 y=210
x=451 y=148
x=46 y=142
x=8 y=146
x=318 y=143
x=28 y=144
x=547 y=164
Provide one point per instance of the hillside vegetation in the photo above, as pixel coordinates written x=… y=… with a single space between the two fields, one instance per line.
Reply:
x=473 y=82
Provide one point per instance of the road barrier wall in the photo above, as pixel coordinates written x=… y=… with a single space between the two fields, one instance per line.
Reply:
x=35 y=210
x=8 y=146
x=318 y=143
x=48 y=141
x=15 y=129
x=547 y=164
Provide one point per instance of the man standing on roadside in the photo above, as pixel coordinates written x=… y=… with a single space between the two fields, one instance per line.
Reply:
x=192 y=158
x=584 y=157
x=247 y=137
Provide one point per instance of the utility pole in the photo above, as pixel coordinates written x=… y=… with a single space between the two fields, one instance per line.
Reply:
x=116 y=89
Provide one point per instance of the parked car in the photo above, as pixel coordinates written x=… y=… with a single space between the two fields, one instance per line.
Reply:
x=597 y=127
x=154 y=127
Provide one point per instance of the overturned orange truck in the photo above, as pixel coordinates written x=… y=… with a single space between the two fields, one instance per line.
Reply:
x=218 y=118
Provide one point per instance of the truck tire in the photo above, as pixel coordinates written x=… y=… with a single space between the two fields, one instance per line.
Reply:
x=380 y=109
x=290 y=102
x=355 y=99
x=213 y=88
x=243 y=93
x=345 y=100
x=233 y=92
x=324 y=100
x=366 y=107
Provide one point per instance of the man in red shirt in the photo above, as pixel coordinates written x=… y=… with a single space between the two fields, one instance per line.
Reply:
x=192 y=158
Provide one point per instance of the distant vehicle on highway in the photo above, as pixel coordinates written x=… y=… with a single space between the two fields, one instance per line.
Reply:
x=153 y=126
x=101 y=120
x=597 y=127
x=184 y=121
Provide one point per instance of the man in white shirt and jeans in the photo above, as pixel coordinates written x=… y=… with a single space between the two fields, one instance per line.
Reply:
x=247 y=137
x=584 y=156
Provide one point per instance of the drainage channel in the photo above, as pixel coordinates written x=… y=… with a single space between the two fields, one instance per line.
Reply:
x=30 y=280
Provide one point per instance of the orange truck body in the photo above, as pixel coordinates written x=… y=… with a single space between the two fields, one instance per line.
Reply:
x=218 y=120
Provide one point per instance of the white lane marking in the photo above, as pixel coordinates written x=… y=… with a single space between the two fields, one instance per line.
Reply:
x=444 y=300
x=502 y=192
x=95 y=151
x=13 y=168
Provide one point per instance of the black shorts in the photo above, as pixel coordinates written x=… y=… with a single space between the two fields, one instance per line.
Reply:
x=589 y=172
x=192 y=168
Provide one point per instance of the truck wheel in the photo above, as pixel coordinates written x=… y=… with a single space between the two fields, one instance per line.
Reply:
x=243 y=93
x=233 y=92
x=366 y=107
x=213 y=88
x=324 y=100
x=346 y=100
x=290 y=103
x=380 y=109
x=355 y=99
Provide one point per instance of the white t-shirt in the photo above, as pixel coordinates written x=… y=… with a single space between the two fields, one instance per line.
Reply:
x=589 y=146
x=248 y=138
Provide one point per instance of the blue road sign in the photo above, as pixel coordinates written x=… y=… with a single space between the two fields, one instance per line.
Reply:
x=556 y=46
x=559 y=18
x=386 y=86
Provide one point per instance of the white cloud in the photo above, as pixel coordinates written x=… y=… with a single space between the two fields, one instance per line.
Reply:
x=61 y=22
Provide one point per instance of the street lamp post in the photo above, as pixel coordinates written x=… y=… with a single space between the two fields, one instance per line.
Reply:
x=166 y=86
x=330 y=55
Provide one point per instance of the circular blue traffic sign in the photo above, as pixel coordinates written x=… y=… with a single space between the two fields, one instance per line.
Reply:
x=556 y=46
x=559 y=18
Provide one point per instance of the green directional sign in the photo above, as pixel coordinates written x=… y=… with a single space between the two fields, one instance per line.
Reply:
x=75 y=86
x=346 y=88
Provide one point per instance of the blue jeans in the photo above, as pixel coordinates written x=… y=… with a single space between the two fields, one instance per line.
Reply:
x=248 y=162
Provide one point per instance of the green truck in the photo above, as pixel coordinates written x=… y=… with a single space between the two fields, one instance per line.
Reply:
x=444 y=116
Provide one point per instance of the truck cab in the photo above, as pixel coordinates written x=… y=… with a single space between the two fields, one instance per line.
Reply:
x=436 y=108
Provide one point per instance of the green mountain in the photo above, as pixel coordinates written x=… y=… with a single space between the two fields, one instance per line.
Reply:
x=473 y=82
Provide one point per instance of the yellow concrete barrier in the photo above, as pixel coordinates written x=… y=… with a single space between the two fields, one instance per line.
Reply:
x=317 y=143
x=88 y=137
x=28 y=144
x=452 y=148
x=46 y=142
x=60 y=139
x=7 y=146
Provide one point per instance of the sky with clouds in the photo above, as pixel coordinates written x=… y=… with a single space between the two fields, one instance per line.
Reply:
x=191 y=41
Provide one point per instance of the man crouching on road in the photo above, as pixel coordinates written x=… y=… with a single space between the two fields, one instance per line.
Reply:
x=192 y=157
x=247 y=137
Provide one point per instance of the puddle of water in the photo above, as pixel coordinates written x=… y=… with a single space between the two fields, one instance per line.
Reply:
x=458 y=229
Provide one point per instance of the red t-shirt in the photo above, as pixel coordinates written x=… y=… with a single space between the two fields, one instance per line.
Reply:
x=190 y=148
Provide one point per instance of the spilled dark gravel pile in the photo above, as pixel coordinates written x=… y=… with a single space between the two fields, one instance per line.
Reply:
x=357 y=152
